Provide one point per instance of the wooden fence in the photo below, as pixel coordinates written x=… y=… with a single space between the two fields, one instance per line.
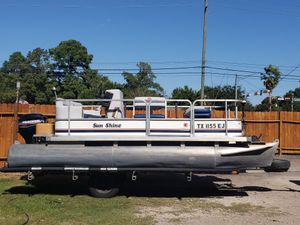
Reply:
x=7 y=123
x=284 y=126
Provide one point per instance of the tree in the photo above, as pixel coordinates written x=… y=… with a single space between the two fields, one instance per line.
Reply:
x=12 y=70
x=142 y=83
x=70 y=59
x=38 y=59
x=271 y=79
x=16 y=64
x=223 y=92
x=31 y=71
x=286 y=105
x=265 y=104
x=8 y=88
x=66 y=67
x=185 y=93
x=96 y=84
x=218 y=92
x=36 y=84
x=71 y=56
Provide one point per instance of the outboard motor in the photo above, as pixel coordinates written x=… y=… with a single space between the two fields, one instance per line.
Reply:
x=27 y=125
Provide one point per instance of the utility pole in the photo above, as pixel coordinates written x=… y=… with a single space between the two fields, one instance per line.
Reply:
x=236 y=86
x=203 y=50
x=236 y=93
x=292 y=102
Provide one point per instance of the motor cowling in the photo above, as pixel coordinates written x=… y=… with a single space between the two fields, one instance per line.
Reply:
x=27 y=125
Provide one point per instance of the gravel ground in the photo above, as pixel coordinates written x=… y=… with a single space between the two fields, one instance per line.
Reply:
x=254 y=197
x=250 y=198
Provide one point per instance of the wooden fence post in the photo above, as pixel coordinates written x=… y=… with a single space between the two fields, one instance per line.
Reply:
x=280 y=133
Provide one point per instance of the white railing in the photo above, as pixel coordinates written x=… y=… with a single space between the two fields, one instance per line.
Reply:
x=148 y=102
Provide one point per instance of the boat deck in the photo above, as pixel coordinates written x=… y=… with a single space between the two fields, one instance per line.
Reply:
x=149 y=138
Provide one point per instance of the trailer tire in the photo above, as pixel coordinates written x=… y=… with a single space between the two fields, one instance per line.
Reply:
x=103 y=186
x=278 y=165
x=103 y=193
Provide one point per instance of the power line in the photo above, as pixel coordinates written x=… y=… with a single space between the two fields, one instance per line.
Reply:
x=195 y=74
x=289 y=73
x=189 y=67
x=232 y=64
x=233 y=70
x=150 y=62
x=244 y=64
x=249 y=72
x=160 y=68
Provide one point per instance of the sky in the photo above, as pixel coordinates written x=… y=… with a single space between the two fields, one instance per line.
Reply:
x=243 y=36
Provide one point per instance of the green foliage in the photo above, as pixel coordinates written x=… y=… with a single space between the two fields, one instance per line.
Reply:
x=17 y=64
x=69 y=60
x=66 y=67
x=271 y=77
x=223 y=92
x=264 y=105
x=185 y=93
x=8 y=88
x=31 y=71
x=35 y=88
x=70 y=57
x=39 y=60
x=218 y=92
x=287 y=104
x=96 y=84
x=142 y=83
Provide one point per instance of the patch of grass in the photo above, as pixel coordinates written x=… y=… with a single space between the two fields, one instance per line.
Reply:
x=177 y=207
x=244 y=208
x=20 y=202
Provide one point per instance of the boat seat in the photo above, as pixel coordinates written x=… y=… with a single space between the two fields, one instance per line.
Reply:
x=199 y=113
x=62 y=109
x=154 y=116
x=86 y=115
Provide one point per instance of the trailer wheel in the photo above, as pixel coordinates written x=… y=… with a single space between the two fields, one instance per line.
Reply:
x=278 y=165
x=103 y=186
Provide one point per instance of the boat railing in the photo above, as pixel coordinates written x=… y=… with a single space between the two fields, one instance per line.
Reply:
x=191 y=105
x=227 y=112
x=176 y=101
x=69 y=101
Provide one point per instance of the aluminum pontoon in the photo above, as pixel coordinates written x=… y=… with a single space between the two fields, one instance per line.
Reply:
x=142 y=134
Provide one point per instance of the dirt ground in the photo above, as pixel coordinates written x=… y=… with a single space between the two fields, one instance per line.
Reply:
x=254 y=197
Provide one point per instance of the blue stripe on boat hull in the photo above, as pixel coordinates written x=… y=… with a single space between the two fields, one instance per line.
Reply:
x=144 y=131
